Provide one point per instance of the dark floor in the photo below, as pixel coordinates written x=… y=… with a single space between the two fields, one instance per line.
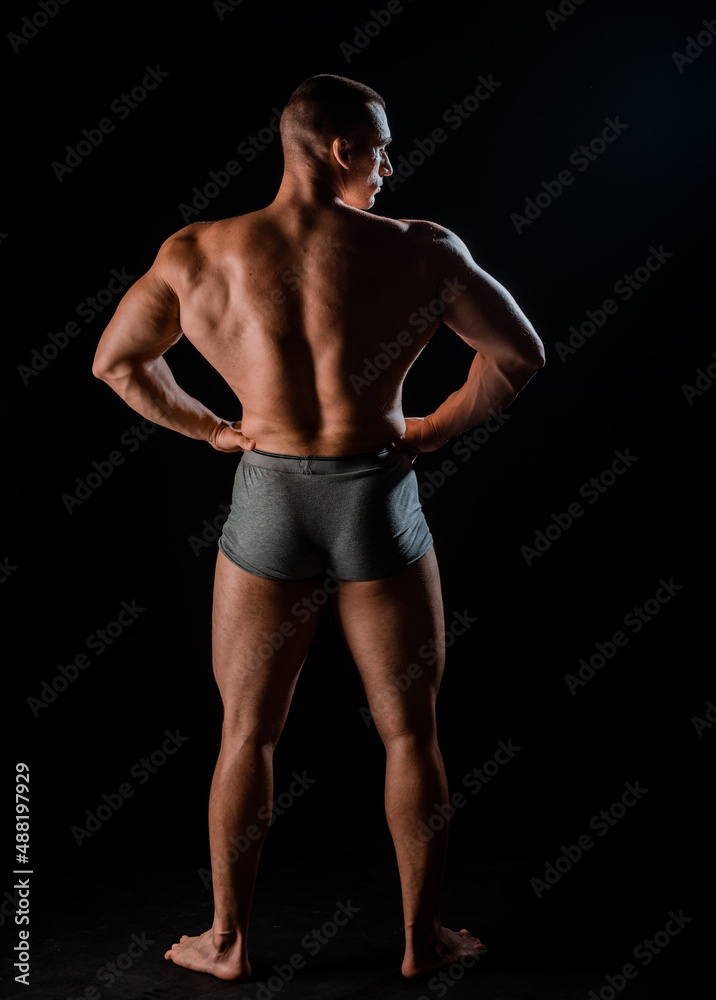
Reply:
x=535 y=952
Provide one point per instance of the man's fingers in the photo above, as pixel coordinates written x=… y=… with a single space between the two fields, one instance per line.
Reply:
x=246 y=443
x=231 y=439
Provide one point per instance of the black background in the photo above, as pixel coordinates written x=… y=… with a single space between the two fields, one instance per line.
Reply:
x=68 y=571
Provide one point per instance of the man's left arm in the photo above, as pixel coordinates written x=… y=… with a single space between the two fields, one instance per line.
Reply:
x=129 y=358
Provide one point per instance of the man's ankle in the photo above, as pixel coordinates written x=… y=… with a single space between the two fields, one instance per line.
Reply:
x=224 y=938
x=422 y=932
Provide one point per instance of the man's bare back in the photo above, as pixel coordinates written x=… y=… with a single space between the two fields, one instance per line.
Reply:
x=291 y=307
x=288 y=304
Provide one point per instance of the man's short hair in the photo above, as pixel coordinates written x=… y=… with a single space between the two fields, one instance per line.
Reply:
x=322 y=108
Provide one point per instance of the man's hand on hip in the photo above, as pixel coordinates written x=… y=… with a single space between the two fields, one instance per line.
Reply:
x=420 y=435
x=228 y=437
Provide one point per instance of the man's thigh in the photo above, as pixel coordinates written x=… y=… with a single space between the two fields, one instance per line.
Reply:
x=261 y=632
x=395 y=631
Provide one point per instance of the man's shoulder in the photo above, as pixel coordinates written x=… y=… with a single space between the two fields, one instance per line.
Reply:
x=422 y=225
x=200 y=234
x=184 y=243
x=433 y=239
x=189 y=248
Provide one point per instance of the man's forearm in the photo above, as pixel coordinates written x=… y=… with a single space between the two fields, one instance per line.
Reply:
x=490 y=386
x=150 y=389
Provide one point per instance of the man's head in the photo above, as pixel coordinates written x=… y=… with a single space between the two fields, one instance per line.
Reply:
x=336 y=130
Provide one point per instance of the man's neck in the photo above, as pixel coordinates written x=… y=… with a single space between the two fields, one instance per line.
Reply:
x=307 y=193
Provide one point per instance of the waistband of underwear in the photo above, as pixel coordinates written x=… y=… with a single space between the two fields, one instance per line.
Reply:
x=320 y=464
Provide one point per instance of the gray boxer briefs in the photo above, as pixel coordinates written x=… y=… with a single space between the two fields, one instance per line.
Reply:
x=294 y=517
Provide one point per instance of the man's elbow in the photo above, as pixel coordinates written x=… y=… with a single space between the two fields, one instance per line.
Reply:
x=522 y=364
x=111 y=369
x=532 y=357
x=536 y=361
x=99 y=371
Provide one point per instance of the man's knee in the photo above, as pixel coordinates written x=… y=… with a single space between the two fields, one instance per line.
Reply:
x=405 y=705
x=257 y=734
x=414 y=735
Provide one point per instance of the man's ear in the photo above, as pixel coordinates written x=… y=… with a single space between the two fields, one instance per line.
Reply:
x=341 y=151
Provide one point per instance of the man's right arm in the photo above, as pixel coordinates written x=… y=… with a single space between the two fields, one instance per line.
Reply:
x=484 y=314
x=130 y=356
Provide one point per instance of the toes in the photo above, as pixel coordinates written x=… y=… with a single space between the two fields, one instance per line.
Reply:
x=184 y=937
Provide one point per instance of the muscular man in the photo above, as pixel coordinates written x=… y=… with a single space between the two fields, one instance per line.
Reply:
x=287 y=303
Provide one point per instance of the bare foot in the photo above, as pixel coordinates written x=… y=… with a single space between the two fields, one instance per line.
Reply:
x=449 y=947
x=222 y=955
